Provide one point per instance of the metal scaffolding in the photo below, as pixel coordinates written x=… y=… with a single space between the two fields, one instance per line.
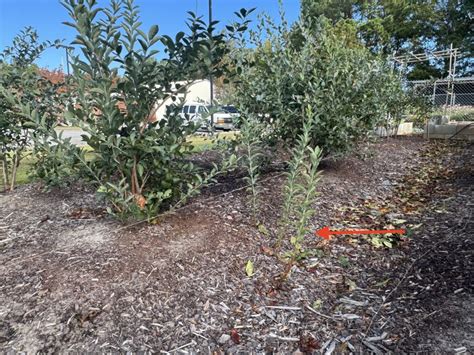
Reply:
x=451 y=53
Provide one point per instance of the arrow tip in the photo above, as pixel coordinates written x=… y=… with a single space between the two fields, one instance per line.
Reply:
x=323 y=233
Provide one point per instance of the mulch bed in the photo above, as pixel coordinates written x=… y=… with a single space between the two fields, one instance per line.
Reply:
x=73 y=279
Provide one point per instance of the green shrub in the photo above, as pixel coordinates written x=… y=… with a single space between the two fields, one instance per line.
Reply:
x=22 y=91
x=57 y=162
x=141 y=167
x=351 y=90
x=252 y=158
x=299 y=193
x=300 y=187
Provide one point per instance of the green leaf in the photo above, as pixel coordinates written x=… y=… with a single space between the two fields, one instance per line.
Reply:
x=350 y=284
x=387 y=243
x=152 y=32
x=140 y=170
x=249 y=269
x=143 y=44
x=262 y=229
x=317 y=304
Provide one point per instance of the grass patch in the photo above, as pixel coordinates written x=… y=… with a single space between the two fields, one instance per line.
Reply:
x=204 y=142
x=22 y=174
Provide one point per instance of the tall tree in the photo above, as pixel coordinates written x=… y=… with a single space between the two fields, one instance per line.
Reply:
x=455 y=26
x=402 y=26
x=334 y=10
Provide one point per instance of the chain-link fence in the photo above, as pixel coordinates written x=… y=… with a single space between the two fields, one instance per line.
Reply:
x=452 y=99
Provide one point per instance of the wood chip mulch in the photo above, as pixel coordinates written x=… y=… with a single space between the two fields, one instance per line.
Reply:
x=72 y=279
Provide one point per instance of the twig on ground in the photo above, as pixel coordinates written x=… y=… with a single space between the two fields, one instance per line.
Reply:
x=192 y=342
x=286 y=308
x=318 y=313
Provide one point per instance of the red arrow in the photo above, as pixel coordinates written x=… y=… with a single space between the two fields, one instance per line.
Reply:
x=326 y=232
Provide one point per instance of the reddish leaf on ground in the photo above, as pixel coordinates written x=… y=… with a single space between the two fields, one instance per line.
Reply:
x=267 y=251
x=234 y=335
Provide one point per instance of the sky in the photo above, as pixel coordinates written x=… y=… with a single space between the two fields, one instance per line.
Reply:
x=46 y=16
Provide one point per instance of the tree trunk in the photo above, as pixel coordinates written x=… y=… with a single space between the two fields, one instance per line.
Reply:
x=16 y=162
x=5 y=173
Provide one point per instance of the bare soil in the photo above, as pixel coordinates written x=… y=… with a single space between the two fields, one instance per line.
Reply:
x=74 y=279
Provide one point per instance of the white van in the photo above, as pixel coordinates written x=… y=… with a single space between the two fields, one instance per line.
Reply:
x=201 y=113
